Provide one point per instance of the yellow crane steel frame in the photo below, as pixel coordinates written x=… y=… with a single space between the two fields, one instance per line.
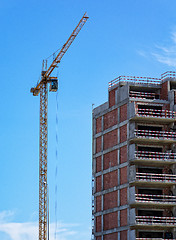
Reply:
x=42 y=88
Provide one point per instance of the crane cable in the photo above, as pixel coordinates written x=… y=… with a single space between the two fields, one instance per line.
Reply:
x=56 y=169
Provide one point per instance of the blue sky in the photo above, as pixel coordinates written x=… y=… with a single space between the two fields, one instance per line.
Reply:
x=129 y=37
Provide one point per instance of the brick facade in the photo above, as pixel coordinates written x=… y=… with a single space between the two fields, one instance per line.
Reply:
x=123 y=113
x=110 y=180
x=110 y=200
x=110 y=159
x=110 y=139
x=110 y=119
x=110 y=221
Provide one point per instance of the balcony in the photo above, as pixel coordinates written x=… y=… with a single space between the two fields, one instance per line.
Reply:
x=143 y=95
x=156 y=201
x=151 y=114
x=147 y=222
x=151 y=179
x=153 y=136
x=155 y=115
x=146 y=157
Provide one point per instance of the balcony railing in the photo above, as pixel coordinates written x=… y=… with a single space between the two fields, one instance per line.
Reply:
x=153 y=177
x=133 y=79
x=148 y=198
x=156 y=113
x=152 y=220
x=155 y=239
x=158 y=156
x=155 y=134
x=143 y=95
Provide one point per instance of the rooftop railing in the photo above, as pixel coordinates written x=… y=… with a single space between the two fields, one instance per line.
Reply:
x=133 y=79
x=155 y=134
x=158 y=156
x=156 y=113
x=142 y=80
x=152 y=220
x=148 y=198
x=153 y=177
x=168 y=74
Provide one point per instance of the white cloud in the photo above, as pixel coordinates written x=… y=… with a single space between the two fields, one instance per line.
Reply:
x=165 y=53
x=29 y=230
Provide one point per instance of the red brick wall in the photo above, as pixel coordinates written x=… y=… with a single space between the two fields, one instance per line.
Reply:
x=110 y=159
x=123 y=175
x=123 y=113
x=98 y=164
x=123 y=235
x=110 y=180
x=110 y=200
x=112 y=97
x=98 y=144
x=111 y=236
x=110 y=119
x=123 y=196
x=98 y=124
x=98 y=238
x=123 y=154
x=123 y=217
x=98 y=184
x=123 y=133
x=110 y=221
x=110 y=139
x=98 y=223
x=98 y=203
x=164 y=91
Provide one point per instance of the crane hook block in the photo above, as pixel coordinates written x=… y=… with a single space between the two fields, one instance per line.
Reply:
x=53 y=84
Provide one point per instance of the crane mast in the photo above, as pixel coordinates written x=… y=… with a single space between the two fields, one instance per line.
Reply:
x=42 y=89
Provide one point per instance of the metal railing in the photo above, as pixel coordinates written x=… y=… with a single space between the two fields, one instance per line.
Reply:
x=155 y=239
x=152 y=220
x=148 y=198
x=155 y=134
x=153 y=177
x=159 y=156
x=156 y=113
x=143 y=95
x=133 y=79
x=168 y=74
x=142 y=80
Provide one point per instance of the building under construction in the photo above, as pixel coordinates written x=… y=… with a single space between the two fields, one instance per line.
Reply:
x=134 y=160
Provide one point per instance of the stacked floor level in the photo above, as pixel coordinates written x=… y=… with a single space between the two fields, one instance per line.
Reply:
x=134 y=160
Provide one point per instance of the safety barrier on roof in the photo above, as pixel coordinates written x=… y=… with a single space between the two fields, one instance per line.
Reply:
x=142 y=80
x=133 y=79
x=168 y=74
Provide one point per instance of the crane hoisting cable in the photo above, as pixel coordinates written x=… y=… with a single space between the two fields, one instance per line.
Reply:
x=42 y=88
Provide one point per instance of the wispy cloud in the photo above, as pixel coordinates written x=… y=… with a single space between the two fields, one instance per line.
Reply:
x=163 y=53
x=29 y=230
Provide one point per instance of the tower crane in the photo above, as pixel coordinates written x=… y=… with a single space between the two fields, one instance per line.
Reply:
x=42 y=89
